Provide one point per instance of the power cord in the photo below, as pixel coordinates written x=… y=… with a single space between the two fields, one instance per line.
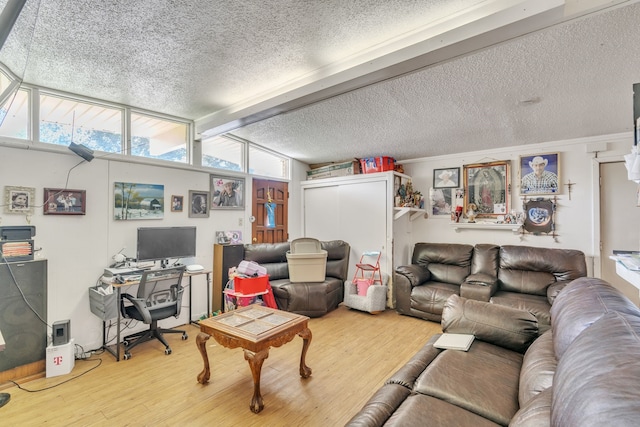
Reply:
x=63 y=382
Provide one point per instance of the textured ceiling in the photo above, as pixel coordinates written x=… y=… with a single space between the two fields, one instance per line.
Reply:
x=197 y=59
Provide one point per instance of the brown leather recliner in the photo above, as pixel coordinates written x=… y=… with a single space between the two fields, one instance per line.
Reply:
x=313 y=299
x=523 y=277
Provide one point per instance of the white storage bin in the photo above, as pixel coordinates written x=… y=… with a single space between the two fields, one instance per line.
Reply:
x=307 y=261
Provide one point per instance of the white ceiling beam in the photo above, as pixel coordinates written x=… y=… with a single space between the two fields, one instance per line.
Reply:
x=475 y=28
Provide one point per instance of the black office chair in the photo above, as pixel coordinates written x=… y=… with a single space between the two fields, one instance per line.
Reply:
x=159 y=297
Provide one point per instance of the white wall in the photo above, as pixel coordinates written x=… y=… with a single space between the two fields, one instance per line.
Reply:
x=577 y=219
x=79 y=247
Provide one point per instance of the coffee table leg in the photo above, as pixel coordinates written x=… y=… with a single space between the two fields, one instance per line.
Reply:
x=201 y=341
x=305 y=371
x=255 y=362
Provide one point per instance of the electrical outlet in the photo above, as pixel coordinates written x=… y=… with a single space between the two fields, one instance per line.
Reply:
x=240 y=222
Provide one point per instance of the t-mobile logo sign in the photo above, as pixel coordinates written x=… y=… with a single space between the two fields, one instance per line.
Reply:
x=57 y=360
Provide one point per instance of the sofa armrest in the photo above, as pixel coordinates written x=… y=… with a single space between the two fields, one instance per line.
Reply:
x=415 y=274
x=500 y=325
x=554 y=289
x=479 y=287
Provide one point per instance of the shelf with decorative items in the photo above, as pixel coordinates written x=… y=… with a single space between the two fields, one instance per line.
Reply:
x=458 y=226
x=415 y=213
x=406 y=198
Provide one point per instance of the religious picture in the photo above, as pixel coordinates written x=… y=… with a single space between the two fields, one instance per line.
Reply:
x=487 y=187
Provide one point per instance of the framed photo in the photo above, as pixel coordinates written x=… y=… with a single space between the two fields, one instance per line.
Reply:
x=19 y=199
x=198 y=204
x=441 y=201
x=487 y=185
x=133 y=200
x=540 y=174
x=227 y=192
x=539 y=216
x=62 y=201
x=177 y=203
x=232 y=237
x=446 y=178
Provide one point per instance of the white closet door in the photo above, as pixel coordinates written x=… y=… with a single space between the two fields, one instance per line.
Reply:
x=353 y=212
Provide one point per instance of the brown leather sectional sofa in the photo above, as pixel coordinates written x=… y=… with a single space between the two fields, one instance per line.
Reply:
x=523 y=277
x=313 y=299
x=584 y=371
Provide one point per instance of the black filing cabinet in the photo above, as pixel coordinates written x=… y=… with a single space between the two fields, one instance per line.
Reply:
x=25 y=334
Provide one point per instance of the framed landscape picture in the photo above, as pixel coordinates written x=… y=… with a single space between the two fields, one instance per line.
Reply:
x=63 y=201
x=487 y=185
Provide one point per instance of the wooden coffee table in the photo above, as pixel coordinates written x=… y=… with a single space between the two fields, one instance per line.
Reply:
x=255 y=329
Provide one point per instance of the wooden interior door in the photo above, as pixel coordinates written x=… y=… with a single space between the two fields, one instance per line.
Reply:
x=279 y=192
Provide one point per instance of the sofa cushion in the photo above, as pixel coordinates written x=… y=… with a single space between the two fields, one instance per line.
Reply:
x=432 y=296
x=574 y=310
x=447 y=262
x=272 y=256
x=337 y=253
x=537 y=305
x=421 y=410
x=596 y=382
x=486 y=260
x=415 y=274
x=531 y=270
x=468 y=380
x=538 y=367
x=536 y=413
x=504 y=326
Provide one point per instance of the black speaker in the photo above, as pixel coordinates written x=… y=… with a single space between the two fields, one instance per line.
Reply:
x=61 y=331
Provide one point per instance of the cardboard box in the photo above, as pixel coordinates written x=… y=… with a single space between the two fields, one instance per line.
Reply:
x=60 y=359
x=377 y=164
x=334 y=170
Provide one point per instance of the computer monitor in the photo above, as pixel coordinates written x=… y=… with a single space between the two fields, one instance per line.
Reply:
x=164 y=243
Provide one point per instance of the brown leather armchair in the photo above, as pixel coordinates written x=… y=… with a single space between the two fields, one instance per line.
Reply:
x=436 y=272
x=313 y=299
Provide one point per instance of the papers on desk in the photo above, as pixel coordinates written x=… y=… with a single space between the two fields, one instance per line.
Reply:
x=454 y=341
x=631 y=260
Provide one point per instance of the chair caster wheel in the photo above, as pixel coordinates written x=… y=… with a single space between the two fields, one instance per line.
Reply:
x=167 y=351
x=127 y=356
x=184 y=336
x=125 y=343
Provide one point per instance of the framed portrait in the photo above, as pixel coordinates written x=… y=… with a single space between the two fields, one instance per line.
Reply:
x=19 y=200
x=539 y=216
x=63 y=201
x=442 y=200
x=540 y=174
x=132 y=201
x=446 y=178
x=227 y=192
x=487 y=185
x=177 y=203
x=198 y=204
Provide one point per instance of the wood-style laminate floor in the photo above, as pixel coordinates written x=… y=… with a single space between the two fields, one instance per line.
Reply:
x=351 y=354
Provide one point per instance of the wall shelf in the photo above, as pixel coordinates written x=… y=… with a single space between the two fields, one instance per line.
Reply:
x=415 y=213
x=457 y=226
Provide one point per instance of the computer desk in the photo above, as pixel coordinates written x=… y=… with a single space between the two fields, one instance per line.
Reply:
x=118 y=288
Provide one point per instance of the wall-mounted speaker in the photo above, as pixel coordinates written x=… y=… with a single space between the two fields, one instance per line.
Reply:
x=82 y=151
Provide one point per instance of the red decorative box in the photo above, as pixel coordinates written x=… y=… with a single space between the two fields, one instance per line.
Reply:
x=377 y=164
x=250 y=285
